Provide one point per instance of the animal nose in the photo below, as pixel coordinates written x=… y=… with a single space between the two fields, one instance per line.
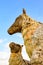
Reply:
x=9 y=32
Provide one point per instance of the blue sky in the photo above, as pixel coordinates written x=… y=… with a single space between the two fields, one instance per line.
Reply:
x=9 y=10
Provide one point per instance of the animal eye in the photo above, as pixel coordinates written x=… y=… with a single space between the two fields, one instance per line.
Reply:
x=27 y=23
x=29 y=19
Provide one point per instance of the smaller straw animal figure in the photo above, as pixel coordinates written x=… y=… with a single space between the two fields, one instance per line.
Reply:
x=16 y=56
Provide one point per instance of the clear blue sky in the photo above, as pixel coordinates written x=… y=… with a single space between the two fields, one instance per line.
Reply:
x=9 y=10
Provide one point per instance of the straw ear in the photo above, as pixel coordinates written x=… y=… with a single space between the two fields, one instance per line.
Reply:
x=22 y=45
x=24 y=11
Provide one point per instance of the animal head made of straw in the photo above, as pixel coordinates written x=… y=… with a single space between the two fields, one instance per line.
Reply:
x=15 y=48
